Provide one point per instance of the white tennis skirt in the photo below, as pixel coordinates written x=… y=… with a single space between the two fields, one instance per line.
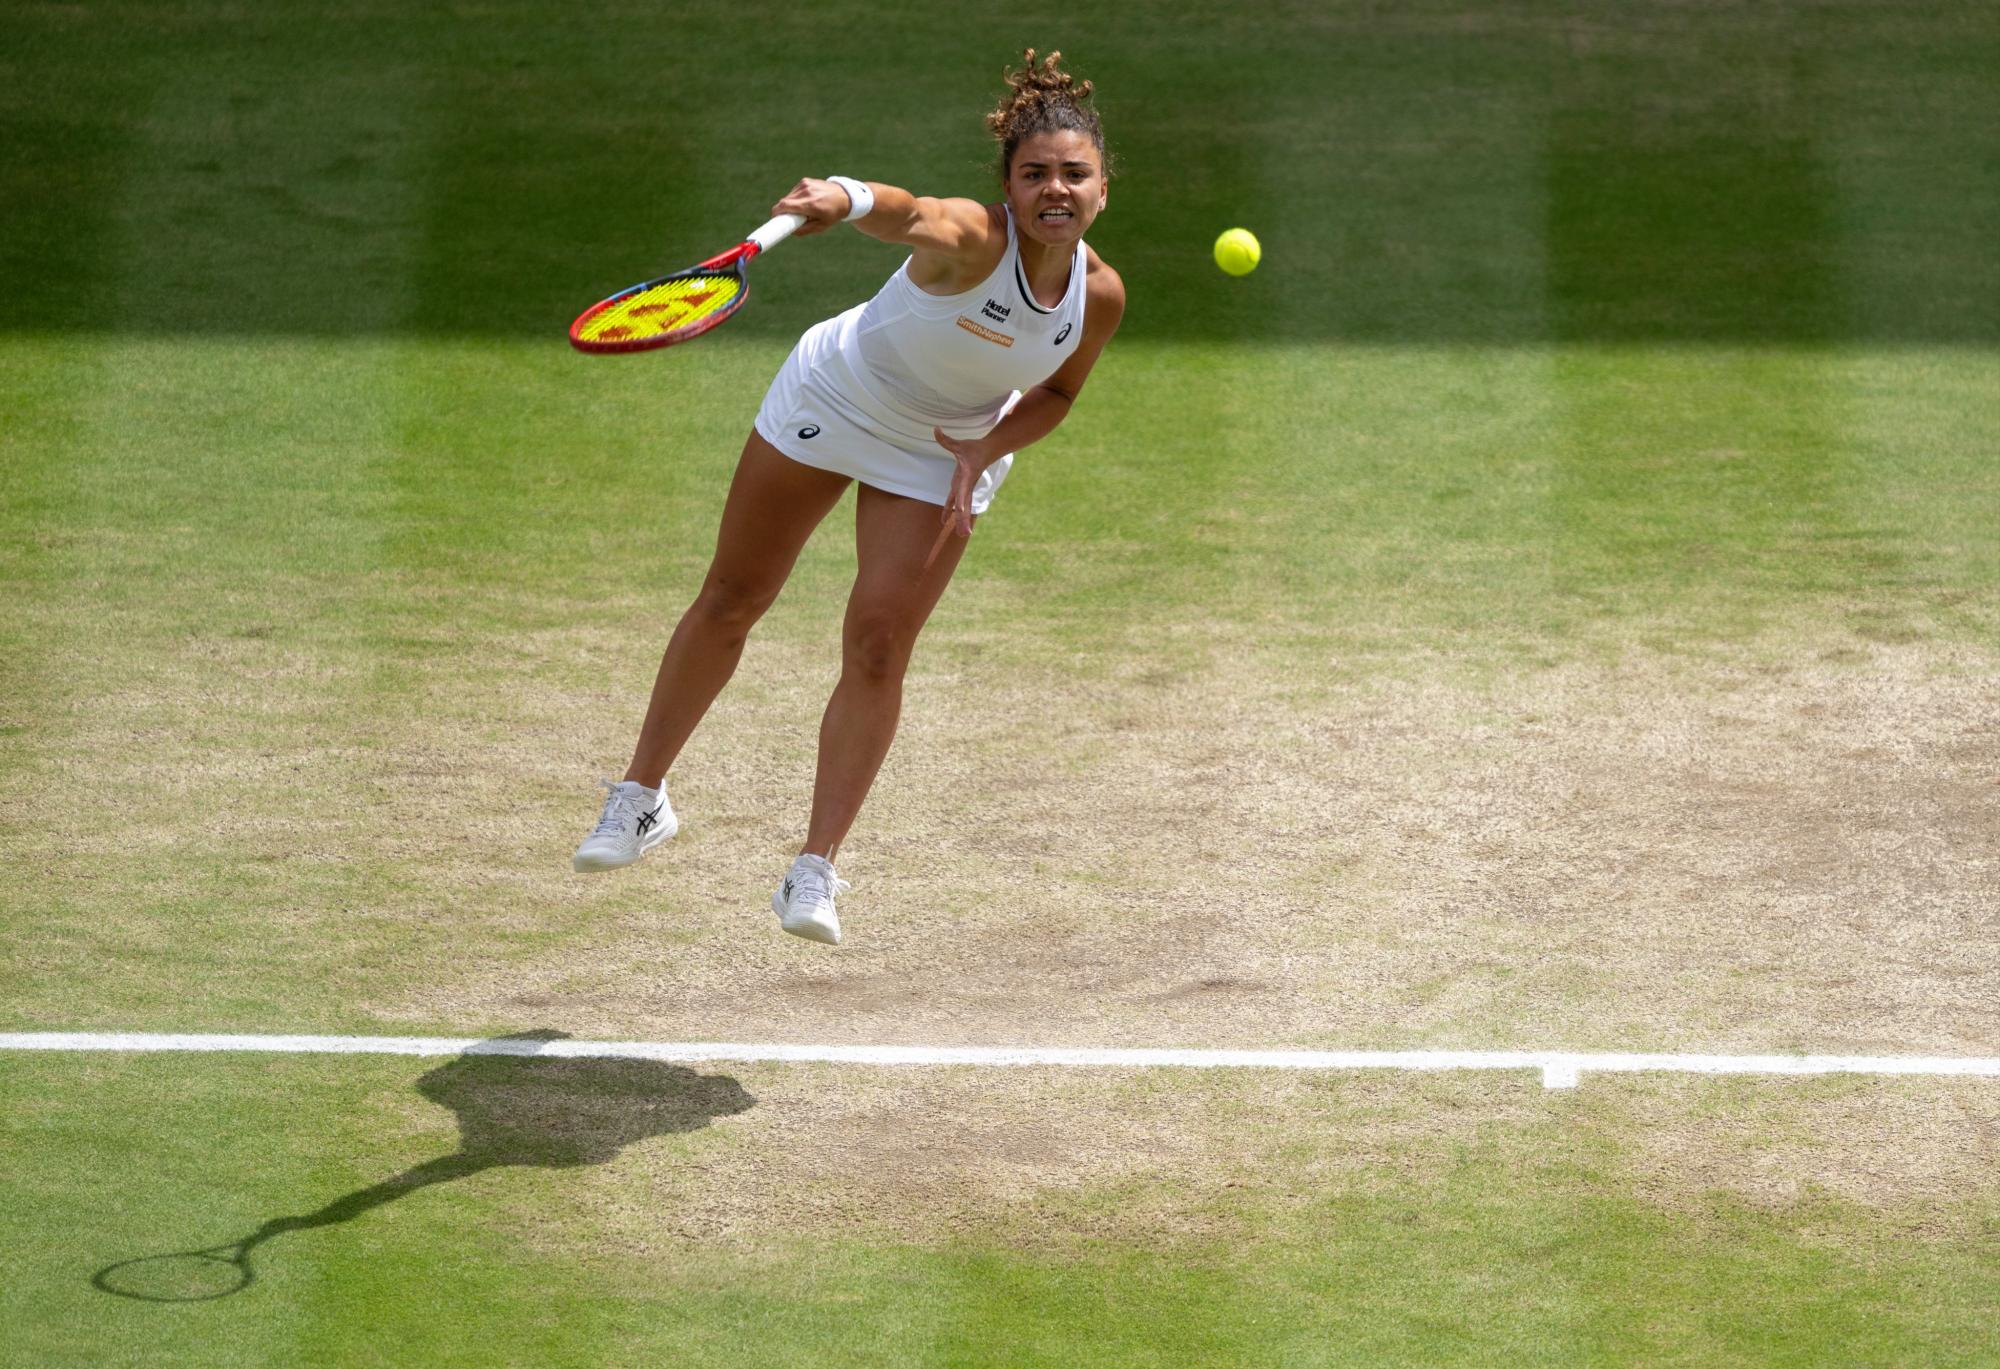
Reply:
x=807 y=416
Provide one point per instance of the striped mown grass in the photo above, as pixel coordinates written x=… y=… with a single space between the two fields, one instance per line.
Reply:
x=1550 y=603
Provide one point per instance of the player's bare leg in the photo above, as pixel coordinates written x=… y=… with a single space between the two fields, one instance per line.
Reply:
x=773 y=506
x=894 y=593
x=892 y=599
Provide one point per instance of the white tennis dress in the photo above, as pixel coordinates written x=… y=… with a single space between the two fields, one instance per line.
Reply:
x=862 y=390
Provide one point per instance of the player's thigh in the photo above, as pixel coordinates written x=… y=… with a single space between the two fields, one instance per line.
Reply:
x=894 y=592
x=773 y=506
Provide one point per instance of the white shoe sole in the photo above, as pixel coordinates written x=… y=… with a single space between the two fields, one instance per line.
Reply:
x=826 y=932
x=592 y=864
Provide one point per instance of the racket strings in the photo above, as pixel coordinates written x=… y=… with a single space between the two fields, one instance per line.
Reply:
x=668 y=307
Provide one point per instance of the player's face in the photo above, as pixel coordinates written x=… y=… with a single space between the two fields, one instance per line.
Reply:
x=1056 y=185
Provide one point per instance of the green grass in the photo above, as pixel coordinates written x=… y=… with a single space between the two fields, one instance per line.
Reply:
x=1583 y=332
x=276 y=557
x=1518 y=1245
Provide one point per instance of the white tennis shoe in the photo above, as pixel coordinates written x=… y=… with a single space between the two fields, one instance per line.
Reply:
x=804 y=900
x=636 y=819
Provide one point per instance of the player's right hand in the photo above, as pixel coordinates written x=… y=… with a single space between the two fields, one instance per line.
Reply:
x=972 y=458
x=823 y=203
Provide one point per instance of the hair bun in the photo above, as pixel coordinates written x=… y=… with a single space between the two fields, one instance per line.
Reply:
x=1043 y=98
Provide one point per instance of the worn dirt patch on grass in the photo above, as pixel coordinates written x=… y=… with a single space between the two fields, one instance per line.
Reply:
x=1915 y=1148
x=1200 y=845
x=1048 y=1159
x=1661 y=854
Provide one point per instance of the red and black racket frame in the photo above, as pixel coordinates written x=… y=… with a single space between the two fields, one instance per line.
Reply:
x=730 y=261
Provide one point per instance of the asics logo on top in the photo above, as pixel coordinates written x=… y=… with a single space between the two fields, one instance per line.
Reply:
x=1064 y=333
x=810 y=431
x=995 y=310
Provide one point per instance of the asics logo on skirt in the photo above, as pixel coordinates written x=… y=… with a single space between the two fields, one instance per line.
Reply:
x=810 y=431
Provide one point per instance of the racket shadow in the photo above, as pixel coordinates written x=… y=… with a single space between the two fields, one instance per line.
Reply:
x=513 y=1108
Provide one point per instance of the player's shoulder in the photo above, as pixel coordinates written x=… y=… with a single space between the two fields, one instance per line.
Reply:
x=977 y=225
x=1104 y=287
x=992 y=218
x=981 y=230
x=957 y=244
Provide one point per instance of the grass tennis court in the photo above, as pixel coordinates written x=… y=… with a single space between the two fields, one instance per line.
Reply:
x=1553 y=603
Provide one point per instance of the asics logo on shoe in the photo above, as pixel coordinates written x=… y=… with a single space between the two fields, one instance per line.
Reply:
x=647 y=822
x=788 y=888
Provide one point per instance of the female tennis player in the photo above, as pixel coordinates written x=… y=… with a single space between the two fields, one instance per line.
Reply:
x=976 y=347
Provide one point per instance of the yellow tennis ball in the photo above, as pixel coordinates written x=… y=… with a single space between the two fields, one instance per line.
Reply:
x=1238 y=252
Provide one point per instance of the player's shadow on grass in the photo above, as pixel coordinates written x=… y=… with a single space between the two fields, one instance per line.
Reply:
x=514 y=1106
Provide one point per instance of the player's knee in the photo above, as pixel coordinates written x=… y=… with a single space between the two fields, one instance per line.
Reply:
x=878 y=649
x=732 y=606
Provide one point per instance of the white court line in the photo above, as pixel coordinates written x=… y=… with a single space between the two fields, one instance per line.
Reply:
x=1560 y=1069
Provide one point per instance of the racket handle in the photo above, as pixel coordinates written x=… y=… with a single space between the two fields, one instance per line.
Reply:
x=776 y=231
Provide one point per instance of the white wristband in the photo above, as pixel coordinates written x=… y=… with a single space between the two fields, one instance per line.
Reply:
x=859 y=196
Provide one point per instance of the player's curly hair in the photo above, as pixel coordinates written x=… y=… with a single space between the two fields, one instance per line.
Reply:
x=1044 y=99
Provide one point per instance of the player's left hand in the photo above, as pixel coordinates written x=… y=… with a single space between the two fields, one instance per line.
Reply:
x=973 y=459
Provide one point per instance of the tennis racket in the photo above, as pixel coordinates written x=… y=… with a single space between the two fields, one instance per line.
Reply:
x=659 y=313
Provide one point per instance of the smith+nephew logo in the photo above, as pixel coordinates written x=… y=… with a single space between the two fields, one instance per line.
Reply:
x=980 y=330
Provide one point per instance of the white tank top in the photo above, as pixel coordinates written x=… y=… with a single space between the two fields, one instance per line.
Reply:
x=914 y=359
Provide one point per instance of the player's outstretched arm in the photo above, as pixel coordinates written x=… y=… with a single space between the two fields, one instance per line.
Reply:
x=945 y=227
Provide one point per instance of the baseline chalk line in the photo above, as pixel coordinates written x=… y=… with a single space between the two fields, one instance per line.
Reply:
x=1559 y=1069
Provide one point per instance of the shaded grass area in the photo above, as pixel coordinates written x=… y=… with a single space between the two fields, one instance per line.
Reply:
x=1803 y=172
x=1517 y=1240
